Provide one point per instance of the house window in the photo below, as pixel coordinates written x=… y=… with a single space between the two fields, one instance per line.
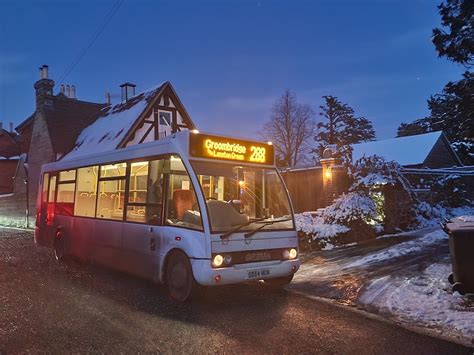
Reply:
x=165 y=118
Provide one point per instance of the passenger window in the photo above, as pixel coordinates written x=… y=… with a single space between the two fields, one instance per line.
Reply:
x=113 y=170
x=145 y=197
x=183 y=208
x=68 y=175
x=111 y=199
x=86 y=191
x=45 y=188
x=52 y=189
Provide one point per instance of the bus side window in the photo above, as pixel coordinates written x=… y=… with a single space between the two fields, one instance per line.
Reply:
x=44 y=197
x=51 y=200
x=145 y=194
x=65 y=198
x=86 y=191
x=183 y=208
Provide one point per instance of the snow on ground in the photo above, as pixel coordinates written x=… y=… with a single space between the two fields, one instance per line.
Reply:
x=423 y=300
x=399 y=250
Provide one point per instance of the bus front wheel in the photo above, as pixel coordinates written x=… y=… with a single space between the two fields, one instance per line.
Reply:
x=179 y=277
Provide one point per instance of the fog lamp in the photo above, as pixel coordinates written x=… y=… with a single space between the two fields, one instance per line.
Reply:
x=227 y=259
x=217 y=261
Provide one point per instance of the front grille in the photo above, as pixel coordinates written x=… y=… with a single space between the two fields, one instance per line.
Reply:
x=252 y=256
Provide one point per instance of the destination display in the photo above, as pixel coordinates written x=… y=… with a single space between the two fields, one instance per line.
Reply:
x=215 y=147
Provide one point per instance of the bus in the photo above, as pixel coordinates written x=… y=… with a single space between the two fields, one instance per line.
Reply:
x=188 y=211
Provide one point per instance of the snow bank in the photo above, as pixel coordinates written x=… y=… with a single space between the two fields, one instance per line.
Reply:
x=423 y=300
x=401 y=249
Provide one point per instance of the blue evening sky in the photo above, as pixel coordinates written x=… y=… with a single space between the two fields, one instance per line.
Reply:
x=229 y=60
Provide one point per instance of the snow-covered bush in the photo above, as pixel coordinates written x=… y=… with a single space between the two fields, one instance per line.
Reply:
x=314 y=233
x=451 y=191
x=383 y=181
x=465 y=150
x=372 y=172
x=351 y=208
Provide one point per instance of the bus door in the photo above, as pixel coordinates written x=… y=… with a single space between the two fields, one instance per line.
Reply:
x=143 y=214
x=48 y=200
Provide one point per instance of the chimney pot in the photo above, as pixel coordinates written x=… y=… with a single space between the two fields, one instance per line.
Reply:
x=1 y=125
x=45 y=71
x=62 y=89
x=128 y=91
x=107 y=97
x=11 y=127
x=68 y=91
x=73 y=92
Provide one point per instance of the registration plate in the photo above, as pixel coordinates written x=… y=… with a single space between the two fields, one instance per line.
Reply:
x=256 y=274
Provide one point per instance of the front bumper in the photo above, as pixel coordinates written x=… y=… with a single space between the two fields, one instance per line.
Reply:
x=205 y=275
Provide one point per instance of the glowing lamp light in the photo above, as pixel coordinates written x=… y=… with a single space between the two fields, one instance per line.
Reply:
x=195 y=131
x=241 y=183
x=269 y=143
x=328 y=173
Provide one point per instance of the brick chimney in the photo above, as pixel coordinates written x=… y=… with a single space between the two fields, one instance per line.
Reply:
x=44 y=88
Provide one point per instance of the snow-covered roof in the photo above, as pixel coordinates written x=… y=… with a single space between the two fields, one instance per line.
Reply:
x=113 y=124
x=409 y=150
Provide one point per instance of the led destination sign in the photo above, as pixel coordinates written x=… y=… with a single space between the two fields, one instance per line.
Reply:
x=215 y=147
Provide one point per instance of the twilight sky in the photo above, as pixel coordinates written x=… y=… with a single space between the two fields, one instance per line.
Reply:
x=229 y=60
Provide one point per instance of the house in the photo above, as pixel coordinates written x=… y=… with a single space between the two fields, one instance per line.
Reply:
x=144 y=117
x=64 y=127
x=429 y=150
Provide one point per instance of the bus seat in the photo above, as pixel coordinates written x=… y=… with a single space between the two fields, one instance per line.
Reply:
x=183 y=201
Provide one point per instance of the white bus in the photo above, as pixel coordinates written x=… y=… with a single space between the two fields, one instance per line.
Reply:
x=189 y=210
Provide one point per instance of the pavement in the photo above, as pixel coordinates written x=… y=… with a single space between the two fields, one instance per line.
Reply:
x=388 y=277
x=54 y=308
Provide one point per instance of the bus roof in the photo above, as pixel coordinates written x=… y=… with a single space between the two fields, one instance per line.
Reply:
x=177 y=143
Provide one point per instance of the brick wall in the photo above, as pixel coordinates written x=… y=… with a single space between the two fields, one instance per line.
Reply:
x=13 y=205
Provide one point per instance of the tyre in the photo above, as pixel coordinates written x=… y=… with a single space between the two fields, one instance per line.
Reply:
x=279 y=282
x=459 y=287
x=451 y=278
x=179 y=277
x=59 y=247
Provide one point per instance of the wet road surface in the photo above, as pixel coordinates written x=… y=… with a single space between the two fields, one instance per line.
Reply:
x=45 y=306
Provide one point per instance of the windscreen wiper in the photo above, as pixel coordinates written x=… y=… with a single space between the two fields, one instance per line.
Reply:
x=236 y=229
x=249 y=234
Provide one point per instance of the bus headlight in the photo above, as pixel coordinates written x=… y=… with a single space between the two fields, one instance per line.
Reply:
x=218 y=260
x=293 y=254
x=290 y=254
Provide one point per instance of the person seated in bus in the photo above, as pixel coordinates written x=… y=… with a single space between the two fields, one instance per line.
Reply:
x=155 y=200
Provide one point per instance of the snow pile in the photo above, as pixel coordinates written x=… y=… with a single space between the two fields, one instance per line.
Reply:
x=400 y=250
x=425 y=299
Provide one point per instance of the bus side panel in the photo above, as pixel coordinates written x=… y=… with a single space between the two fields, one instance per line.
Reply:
x=107 y=242
x=140 y=249
x=81 y=239
x=64 y=223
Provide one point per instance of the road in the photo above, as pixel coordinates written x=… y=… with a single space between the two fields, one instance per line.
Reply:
x=50 y=307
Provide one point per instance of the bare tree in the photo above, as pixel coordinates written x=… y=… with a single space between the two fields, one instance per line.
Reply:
x=290 y=128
